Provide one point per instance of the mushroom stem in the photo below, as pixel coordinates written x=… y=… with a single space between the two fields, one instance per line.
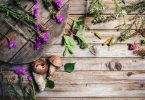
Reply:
x=52 y=70
x=40 y=81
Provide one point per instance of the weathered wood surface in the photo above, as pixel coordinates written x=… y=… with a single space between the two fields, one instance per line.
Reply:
x=92 y=79
x=21 y=54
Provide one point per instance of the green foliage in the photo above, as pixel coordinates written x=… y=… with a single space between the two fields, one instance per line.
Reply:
x=17 y=2
x=20 y=17
x=47 y=4
x=78 y=31
x=77 y=24
x=69 y=45
x=96 y=8
x=81 y=38
x=50 y=84
x=69 y=67
x=119 y=9
x=11 y=90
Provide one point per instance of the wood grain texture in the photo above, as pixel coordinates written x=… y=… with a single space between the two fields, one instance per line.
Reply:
x=91 y=98
x=54 y=34
x=79 y=6
x=22 y=54
x=120 y=50
x=94 y=84
x=92 y=78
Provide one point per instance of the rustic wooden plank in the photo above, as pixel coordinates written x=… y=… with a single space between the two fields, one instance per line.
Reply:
x=98 y=90
x=92 y=39
x=91 y=77
x=79 y=6
x=92 y=64
x=83 y=64
x=5 y=27
x=54 y=34
x=7 y=53
x=120 y=50
x=94 y=84
x=102 y=26
x=41 y=98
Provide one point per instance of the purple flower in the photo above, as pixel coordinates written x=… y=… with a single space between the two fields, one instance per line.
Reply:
x=45 y=37
x=133 y=46
x=60 y=19
x=12 y=44
x=29 y=78
x=40 y=40
x=36 y=12
x=38 y=43
x=38 y=27
x=58 y=4
x=20 y=71
x=36 y=1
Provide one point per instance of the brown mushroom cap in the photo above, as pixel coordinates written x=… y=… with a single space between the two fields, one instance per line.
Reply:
x=40 y=66
x=56 y=61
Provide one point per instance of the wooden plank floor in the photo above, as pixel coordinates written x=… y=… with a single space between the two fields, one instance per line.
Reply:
x=92 y=80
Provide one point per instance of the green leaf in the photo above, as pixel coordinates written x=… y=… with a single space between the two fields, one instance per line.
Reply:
x=50 y=84
x=81 y=38
x=69 y=41
x=70 y=44
x=69 y=67
x=66 y=51
x=78 y=23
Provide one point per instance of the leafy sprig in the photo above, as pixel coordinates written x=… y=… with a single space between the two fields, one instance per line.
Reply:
x=81 y=38
x=69 y=45
x=28 y=91
x=139 y=7
x=96 y=8
x=20 y=17
x=75 y=33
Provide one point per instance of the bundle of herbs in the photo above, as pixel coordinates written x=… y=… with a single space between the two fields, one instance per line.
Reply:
x=8 y=86
x=120 y=10
x=18 y=13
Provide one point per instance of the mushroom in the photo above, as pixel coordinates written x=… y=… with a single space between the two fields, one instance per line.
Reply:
x=40 y=69
x=55 y=62
x=40 y=66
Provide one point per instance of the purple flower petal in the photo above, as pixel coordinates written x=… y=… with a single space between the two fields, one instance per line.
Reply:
x=58 y=4
x=41 y=40
x=60 y=19
x=133 y=46
x=29 y=78
x=38 y=43
x=12 y=44
x=36 y=1
x=36 y=12
x=38 y=27
x=20 y=71
x=45 y=37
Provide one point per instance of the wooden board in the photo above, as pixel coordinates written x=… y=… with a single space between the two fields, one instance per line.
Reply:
x=92 y=78
x=24 y=51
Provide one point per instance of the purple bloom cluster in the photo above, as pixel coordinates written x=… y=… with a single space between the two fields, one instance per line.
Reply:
x=60 y=19
x=29 y=78
x=58 y=4
x=36 y=1
x=40 y=40
x=36 y=12
x=38 y=27
x=12 y=44
x=20 y=71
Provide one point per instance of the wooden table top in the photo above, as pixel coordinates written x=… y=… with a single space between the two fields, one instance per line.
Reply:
x=92 y=80
x=25 y=51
